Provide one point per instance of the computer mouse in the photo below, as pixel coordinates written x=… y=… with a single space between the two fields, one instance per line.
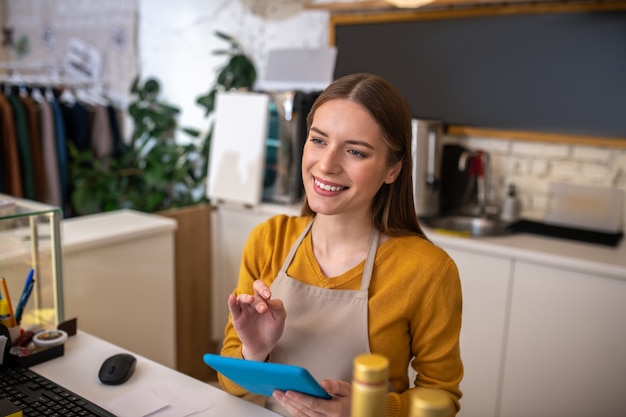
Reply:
x=117 y=369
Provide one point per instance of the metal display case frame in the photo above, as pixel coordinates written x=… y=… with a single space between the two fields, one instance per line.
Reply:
x=30 y=237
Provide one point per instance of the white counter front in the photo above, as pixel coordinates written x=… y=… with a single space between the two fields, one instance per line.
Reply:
x=119 y=281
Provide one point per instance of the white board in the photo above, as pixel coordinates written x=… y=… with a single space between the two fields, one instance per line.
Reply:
x=237 y=155
x=304 y=69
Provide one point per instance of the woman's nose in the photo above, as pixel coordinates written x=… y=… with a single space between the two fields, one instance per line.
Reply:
x=330 y=161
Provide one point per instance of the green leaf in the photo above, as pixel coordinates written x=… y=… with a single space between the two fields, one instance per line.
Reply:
x=226 y=37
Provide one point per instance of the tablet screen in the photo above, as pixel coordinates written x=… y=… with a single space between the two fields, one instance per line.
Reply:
x=265 y=377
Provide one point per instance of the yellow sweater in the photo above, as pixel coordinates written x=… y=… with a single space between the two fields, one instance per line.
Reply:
x=414 y=304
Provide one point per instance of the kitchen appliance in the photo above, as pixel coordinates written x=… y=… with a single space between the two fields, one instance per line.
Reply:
x=426 y=149
x=282 y=180
x=455 y=179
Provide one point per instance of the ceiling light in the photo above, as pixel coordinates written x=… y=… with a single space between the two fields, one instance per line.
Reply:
x=409 y=4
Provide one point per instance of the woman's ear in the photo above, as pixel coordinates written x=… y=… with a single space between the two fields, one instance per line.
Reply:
x=393 y=173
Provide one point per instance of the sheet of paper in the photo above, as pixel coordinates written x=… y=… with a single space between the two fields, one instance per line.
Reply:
x=138 y=403
x=163 y=400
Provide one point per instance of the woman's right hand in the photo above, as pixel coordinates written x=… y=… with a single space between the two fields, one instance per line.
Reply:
x=258 y=319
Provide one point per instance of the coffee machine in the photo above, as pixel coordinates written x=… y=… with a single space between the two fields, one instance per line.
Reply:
x=426 y=152
x=282 y=180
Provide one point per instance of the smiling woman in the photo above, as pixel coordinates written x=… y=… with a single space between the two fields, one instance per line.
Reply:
x=354 y=272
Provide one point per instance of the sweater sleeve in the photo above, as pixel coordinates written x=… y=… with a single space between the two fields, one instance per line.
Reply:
x=436 y=342
x=249 y=270
x=262 y=256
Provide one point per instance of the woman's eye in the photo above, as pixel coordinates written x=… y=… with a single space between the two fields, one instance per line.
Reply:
x=317 y=141
x=357 y=153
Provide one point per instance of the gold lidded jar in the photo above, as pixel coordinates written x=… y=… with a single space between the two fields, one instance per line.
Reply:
x=430 y=402
x=369 y=385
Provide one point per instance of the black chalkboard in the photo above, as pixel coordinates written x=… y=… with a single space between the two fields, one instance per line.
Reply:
x=556 y=72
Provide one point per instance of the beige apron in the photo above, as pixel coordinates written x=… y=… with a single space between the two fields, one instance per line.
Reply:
x=325 y=328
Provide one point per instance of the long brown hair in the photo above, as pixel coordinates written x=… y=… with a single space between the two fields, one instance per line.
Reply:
x=393 y=208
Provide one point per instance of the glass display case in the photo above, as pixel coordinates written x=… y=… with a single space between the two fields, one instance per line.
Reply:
x=30 y=239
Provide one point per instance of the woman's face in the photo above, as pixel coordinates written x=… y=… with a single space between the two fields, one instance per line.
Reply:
x=345 y=159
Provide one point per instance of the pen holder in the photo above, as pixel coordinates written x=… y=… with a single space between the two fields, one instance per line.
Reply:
x=32 y=356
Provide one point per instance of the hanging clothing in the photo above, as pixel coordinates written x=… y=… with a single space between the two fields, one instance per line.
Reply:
x=23 y=143
x=11 y=171
x=77 y=120
x=34 y=130
x=115 y=130
x=51 y=160
x=59 y=139
x=101 y=135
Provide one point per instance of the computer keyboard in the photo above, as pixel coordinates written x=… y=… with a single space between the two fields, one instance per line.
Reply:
x=38 y=396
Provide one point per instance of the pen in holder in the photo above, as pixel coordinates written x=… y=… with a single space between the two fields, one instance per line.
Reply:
x=6 y=308
x=26 y=292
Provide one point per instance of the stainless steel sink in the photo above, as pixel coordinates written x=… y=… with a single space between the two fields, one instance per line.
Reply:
x=467 y=225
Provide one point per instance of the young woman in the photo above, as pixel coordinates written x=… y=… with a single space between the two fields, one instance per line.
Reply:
x=354 y=273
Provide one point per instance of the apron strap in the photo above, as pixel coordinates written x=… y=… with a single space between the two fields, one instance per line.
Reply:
x=369 y=261
x=294 y=248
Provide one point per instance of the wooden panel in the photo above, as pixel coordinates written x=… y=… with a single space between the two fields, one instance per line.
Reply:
x=193 y=289
x=536 y=136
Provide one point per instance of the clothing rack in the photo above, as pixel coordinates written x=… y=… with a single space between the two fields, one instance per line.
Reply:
x=43 y=111
x=45 y=74
x=37 y=65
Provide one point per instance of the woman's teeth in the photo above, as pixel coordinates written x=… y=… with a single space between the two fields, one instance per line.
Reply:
x=327 y=187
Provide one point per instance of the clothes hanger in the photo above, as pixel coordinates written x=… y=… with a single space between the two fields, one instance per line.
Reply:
x=67 y=96
x=36 y=94
x=49 y=94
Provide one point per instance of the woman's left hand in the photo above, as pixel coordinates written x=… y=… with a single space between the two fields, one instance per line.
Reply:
x=302 y=405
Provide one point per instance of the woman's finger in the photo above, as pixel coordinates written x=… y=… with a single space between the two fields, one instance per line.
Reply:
x=261 y=289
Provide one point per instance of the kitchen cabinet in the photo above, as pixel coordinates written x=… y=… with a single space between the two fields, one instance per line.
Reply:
x=563 y=347
x=566 y=347
x=486 y=282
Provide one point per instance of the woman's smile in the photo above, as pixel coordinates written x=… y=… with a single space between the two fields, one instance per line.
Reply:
x=328 y=186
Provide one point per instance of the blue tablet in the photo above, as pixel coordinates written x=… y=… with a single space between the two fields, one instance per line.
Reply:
x=265 y=377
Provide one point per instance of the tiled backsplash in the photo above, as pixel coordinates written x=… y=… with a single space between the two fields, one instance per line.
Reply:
x=532 y=166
